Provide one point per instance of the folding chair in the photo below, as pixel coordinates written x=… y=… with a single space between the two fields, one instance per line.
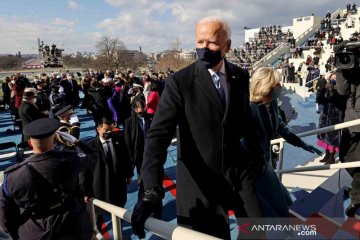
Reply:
x=16 y=120
x=24 y=151
x=9 y=156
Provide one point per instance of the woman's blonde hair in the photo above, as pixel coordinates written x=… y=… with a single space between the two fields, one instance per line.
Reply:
x=262 y=83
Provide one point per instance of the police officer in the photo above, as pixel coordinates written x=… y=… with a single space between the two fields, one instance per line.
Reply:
x=39 y=198
x=69 y=123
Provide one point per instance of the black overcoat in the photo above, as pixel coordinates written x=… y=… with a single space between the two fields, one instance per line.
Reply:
x=24 y=193
x=212 y=167
x=134 y=138
x=102 y=180
x=28 y=113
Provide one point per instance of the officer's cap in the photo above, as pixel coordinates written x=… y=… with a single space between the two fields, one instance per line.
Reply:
x=135 y=85
x=41 y=128
x=29 y=93
x=64 y=111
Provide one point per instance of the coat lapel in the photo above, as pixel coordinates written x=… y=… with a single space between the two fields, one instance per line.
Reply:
x=233 y=91
x=204 y=80
x=100 y=147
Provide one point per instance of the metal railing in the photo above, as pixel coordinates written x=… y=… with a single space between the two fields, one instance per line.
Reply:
x=160 y=228
x=281 y=142
x=317 y=78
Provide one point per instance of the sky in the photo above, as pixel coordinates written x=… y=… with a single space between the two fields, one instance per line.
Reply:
x=77 y=25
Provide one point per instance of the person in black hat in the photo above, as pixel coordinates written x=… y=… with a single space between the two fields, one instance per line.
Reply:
x=42 y=98
x=39 y=198
x=28 y=110
x=69 y=123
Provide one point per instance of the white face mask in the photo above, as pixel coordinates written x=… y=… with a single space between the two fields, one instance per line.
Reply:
x=69 y=78
x=34 y=100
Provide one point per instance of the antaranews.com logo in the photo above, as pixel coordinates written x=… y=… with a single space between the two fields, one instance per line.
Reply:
x=275 y=229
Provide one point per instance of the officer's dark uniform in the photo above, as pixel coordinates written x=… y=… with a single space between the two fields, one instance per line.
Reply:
x=39 y=198
x=73 y=129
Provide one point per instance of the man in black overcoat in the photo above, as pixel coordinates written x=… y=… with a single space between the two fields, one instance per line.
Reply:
x=107 y=179
x=135 y=132
x=71 y=90
x=28 y=111
x=214 y=170
x=348 y=85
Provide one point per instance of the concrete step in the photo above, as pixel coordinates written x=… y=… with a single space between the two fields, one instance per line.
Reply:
x=304 y=208
x=334 y=209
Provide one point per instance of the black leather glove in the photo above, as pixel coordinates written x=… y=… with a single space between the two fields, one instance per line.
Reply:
x=149 y=205
x=311 y=149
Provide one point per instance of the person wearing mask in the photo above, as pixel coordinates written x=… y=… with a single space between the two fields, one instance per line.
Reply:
x=137 y=93
x=135 y=132
x=108 y=177
x=98 y=97
x=319 y=86
x=69 y=123
x=265 y=90
x=209 y=102
x=40 y=198
x=71 y=90
x=28 y=110
x=333 y=107
x=152 y=100
x=56 y=99
x=42 y=97
x=348 y=86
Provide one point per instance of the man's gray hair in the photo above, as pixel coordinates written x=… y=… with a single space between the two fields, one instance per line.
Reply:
x=225 y=25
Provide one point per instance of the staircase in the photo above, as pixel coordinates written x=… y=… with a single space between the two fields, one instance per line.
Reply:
x=326 y=210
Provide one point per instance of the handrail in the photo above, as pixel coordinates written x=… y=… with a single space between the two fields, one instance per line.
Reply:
x=160 y=228
x=316 y=26
x=322 y=167
x=281 y=141
x=317 y=78
x=322 y=130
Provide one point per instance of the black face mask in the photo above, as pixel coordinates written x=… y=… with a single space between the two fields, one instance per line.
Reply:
x=140 y=114
x=107 y=135
x=209 y=57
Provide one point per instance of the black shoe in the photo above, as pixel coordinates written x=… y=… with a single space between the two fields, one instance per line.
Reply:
x=351 y=210
x=326 y=157
x=331 y=159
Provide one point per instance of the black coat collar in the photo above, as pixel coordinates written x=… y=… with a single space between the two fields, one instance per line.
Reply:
x=204 y=79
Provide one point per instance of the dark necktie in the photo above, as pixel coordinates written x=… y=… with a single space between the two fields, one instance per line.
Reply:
x=71 y=84
x=219 y=87
x=108 y=155
x=143 y=126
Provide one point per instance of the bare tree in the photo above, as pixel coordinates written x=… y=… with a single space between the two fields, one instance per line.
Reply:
x=110 y=50
x=10 y=62
x=172 y=59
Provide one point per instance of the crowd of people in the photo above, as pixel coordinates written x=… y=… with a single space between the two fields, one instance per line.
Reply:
x=223 y=123
x=266 y=40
